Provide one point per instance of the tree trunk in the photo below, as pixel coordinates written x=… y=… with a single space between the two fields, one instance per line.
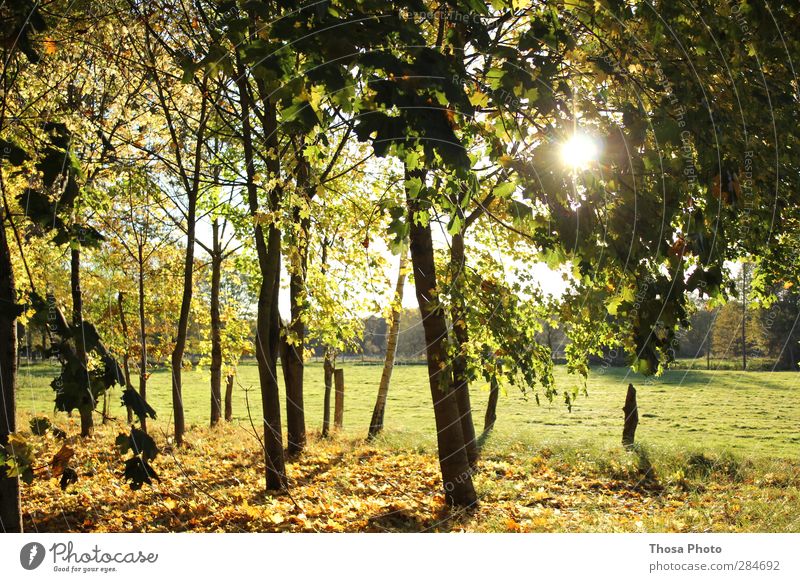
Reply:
x=328 y=366
x=10 y=512
x=491 y=407
x=216 y=327
x=229 y=398
x=269 y=261
x=376 y=423
x=631 y=418
x=142 y=336
x=292 y=367
x=87 y=401
x=183 y=322
x=126 y=368
x=28 y=344
x=338 y=414
x=292 y=353
x=453 y=459
x=460 y=375
x=266 y=354
x=744 y=316
x=106 y=404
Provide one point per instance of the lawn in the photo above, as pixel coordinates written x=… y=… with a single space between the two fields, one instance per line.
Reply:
x=747 y=413
x=717 y=452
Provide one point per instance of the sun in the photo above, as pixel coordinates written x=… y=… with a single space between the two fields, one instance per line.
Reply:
x=579 y=151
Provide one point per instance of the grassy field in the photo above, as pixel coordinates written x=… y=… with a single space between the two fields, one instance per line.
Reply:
x=747 y=413
x=717 y=452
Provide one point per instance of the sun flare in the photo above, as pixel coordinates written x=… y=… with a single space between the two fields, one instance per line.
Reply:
x=579 y=151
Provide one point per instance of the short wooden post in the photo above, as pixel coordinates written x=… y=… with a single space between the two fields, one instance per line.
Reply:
x=631 y=411
x=229 y=398
x=338 y=410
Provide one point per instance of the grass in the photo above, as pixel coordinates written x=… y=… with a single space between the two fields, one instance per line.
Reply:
x=717 y=451
x=746 y=413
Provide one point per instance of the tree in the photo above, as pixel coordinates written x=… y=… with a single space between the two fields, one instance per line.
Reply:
x=744 y=292
x=697 y=341
x=780 y=322
x=142 y=236
x=376 y=423
x=728 y=339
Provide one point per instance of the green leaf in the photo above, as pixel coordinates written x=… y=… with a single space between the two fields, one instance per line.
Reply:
x=504 y=189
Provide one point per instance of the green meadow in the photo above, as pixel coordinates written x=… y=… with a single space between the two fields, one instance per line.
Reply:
x=749 y=414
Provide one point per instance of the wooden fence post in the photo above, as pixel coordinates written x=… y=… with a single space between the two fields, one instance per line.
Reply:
x=631 y=411
x=338 y=414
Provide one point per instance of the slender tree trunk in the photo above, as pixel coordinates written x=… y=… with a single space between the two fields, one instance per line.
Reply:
x=292 y=353
x=744 y=317
x=28 y=344
x=229 y=398
x=10 y=512
x=88 y=403
x=126 y=368
x=376 y=423
x=328 y=366
x=266 y=354
x=269 y=261
x=460 y=375
x=106 y=404
x=142 y=336
x=631 y=411
x=453 y=459
x=338 y=414
x=491 y=406
x=292 y=367
x=216 y=328
x=183 y=323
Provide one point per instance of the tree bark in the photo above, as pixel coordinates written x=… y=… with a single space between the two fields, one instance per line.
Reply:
x=126 y=368
x=87 y=404
x=376 y=423
x=10 y=512
x=142 y=335
x=744 y=317
x=491 y=406
x=292 y=367
x=216 y=327
x=229 y=398
x=266 y=355
x=631 y=418
x=269 y=260
x=292 y=354
x=328 y=366
x=183 y=323
x=338 y=414
x=28 y=344
x=460 y=375
x=453 y=459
